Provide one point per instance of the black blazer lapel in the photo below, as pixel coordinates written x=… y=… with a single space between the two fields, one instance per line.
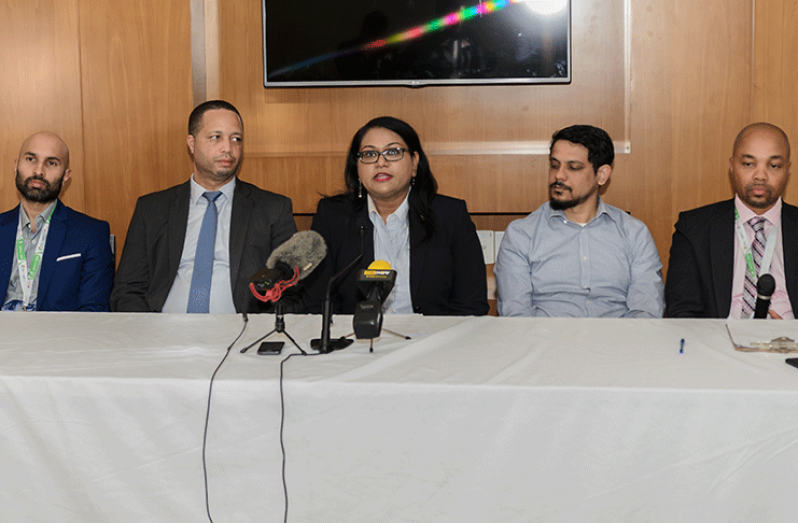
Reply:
x=239 y=232
x=721 y=245
x=178 y=221
x=418 y=254
x=362 y=220
x=789 y=242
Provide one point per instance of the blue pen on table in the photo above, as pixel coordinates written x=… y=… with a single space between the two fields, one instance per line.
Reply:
x=681 y=346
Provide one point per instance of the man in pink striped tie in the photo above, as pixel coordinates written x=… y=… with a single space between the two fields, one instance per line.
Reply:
x=720 y=250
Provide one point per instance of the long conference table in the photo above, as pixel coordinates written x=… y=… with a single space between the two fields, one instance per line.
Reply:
x=472 y=419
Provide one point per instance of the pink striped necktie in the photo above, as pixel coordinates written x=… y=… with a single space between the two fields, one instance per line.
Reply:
x=757 y=223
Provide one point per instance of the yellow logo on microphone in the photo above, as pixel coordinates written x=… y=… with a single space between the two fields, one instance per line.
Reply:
x=378 y=269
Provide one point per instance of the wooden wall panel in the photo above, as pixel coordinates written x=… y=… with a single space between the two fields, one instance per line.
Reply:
x=40 y=86
x=516 y=182
x=776 y=73
x=115 y=82
x=137 y=95
x=304 y=123
x=691 y=94
x=305 y=179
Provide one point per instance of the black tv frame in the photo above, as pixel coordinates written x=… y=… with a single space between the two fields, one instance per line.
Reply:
x=442 y=44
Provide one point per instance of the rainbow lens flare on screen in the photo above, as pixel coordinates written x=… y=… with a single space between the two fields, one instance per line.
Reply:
x=411 y=42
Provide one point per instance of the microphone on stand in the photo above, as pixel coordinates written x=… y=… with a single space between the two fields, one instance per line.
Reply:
x=292 y=261
x=376 y=283
x=324 y=344
x=765 y=287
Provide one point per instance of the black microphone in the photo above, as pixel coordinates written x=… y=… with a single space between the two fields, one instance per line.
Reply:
x=292 y=261
x=324 y=344
x=765 y=288
x=266 y=279
x=376 y=283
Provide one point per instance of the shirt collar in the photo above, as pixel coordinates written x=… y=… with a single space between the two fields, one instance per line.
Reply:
x=24 y=220
x=400 y=213
x=773 y=215
x=602 y=209
x=198 y=190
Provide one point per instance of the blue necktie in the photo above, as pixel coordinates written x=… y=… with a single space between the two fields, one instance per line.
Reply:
x=199 y=296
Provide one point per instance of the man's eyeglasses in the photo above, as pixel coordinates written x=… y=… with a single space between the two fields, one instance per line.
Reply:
x=393 y=154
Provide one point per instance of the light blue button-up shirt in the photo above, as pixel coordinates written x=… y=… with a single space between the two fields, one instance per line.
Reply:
x=14 y=295
x=392 y=244
x=221 y=288
x=550 y=266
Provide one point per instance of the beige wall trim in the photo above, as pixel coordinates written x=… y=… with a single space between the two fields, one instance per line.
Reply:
x=198 y=62
x=205 y=49
x=443 y=149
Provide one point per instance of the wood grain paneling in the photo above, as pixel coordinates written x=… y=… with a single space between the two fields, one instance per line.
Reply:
x=323 y=120
x=517 y=183
x=136 y=73
x=691 y=92
x=776 y=72
x=40 y=86
x=115 y=81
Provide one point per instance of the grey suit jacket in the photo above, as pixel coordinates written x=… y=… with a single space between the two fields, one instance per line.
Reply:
x=260 y=222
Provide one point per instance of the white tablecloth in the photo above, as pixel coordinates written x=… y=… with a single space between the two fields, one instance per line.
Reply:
x=473 y=419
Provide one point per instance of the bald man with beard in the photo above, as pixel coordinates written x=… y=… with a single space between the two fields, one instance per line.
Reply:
x=719 y=251
x=52 y=258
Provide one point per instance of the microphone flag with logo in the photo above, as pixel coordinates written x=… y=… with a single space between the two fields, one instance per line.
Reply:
x=376 y=283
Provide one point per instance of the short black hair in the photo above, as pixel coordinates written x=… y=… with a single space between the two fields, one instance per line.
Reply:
x=600 y=149
x=195 y=119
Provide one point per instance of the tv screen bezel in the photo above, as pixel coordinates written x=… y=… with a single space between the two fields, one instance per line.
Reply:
x=415 y=83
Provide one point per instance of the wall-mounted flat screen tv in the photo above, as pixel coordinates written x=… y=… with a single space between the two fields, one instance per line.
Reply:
x=329 y=43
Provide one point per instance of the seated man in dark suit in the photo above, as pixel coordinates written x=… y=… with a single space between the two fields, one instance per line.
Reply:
x=51 y=257
x=194 y=247
x=719 y=251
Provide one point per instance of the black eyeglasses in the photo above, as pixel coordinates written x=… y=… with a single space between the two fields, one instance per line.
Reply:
x=394 y=154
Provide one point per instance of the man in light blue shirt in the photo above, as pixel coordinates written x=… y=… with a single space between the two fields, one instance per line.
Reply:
x=577 y=256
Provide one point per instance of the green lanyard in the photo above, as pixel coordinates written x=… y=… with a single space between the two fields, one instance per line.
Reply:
x=749 y=257
x=28 y=275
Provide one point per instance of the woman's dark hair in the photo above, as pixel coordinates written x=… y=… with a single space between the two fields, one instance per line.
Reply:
x=424 y=186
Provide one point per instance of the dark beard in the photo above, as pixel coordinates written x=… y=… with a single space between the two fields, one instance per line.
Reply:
x=767 y=201
x=46 y=194
x=559 y=205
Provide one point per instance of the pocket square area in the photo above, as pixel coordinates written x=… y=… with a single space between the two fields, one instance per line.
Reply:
x=68 y=256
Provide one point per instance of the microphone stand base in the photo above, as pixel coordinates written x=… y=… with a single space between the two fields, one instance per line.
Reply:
x=279 y=327
x=397 y=334
x=340 y=343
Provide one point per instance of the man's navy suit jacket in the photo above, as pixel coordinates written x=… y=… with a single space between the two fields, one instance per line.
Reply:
x=77 y=271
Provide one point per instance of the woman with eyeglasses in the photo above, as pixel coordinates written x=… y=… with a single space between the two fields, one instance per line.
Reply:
x=391 y=211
